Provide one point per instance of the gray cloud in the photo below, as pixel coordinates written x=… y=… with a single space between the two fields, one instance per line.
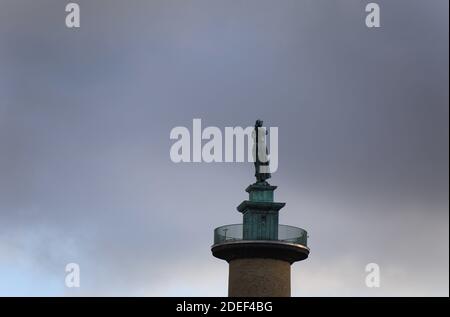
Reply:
x=85 y=117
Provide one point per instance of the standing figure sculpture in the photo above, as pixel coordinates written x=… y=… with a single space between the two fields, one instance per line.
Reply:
x=260 y=153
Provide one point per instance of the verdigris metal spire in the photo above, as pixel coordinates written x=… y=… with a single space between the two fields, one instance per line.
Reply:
x=260 y=251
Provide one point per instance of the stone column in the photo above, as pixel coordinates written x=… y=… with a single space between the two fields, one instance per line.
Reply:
x=259 y=277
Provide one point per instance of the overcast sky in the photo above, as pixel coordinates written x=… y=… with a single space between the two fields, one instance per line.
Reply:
x=85 y=117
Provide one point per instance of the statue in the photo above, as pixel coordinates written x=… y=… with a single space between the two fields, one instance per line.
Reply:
x=260 y=153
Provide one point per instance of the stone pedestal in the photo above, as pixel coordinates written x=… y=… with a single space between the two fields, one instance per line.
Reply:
x=260 y=251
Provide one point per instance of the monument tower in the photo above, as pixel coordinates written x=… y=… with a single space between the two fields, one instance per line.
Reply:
x=260 y=251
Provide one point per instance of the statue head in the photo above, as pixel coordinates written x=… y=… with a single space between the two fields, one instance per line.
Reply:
x=259 y=123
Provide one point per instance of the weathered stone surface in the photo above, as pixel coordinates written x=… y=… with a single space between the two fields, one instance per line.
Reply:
x=259 y=277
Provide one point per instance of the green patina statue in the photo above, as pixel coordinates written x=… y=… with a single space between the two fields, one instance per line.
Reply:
x=260 y=153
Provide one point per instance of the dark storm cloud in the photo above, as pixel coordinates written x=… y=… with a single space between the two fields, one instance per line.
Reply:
x=85 y=117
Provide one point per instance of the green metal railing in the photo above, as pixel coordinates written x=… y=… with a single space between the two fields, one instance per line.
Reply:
x=231 y=233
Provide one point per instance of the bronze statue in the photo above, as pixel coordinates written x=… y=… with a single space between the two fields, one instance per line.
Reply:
x=260 y=153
